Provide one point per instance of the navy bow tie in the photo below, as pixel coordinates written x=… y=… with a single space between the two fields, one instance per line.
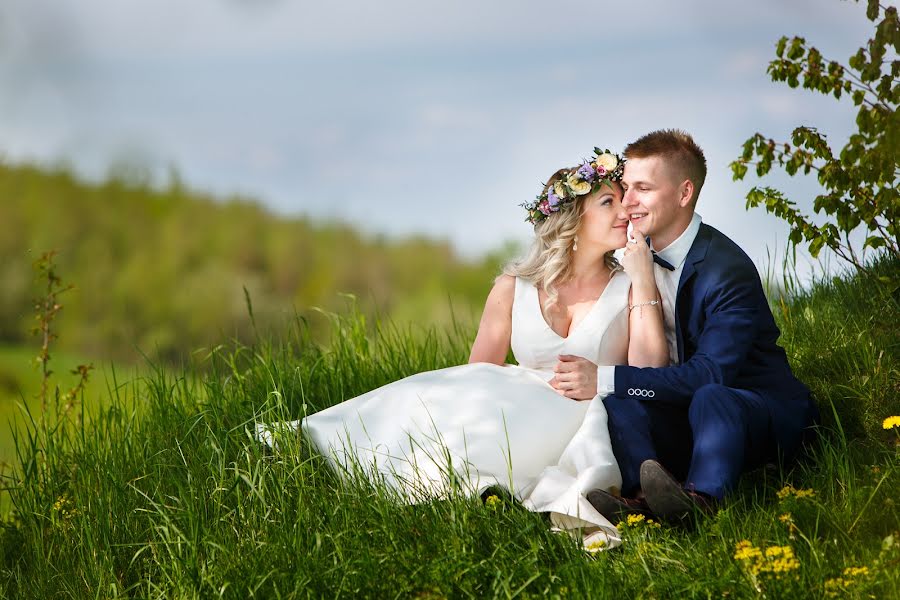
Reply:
x=662 y=262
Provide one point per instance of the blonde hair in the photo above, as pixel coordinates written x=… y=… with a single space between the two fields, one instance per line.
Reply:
x=548 y=262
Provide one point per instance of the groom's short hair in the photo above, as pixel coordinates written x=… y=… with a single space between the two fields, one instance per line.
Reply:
x=677 y=147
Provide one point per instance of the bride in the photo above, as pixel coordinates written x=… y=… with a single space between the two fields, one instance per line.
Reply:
x=537 y=429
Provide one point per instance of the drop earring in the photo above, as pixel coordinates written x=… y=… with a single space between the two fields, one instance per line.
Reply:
x=575 y=245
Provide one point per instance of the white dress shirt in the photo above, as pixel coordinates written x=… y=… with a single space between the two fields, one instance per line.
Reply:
x=667 y=283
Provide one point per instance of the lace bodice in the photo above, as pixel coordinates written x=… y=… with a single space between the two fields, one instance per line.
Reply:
x=601 y=336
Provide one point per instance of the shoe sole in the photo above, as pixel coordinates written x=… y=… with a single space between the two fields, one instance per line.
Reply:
x=664 y=495
x=611 y=507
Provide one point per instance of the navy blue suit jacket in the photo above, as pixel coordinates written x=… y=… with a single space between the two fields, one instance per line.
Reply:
x=726 y=335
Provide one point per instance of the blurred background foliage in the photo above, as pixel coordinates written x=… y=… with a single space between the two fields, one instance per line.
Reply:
x=160 y=270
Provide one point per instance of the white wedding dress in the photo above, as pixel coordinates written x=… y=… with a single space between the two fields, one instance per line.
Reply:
x=479 y=425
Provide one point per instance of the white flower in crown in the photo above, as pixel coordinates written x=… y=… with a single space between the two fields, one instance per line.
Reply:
x=577 y=184
x=560 y=190
x=607 y=161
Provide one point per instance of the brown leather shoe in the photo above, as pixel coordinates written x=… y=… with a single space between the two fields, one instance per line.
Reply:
x=668 y=499
x=616 y=508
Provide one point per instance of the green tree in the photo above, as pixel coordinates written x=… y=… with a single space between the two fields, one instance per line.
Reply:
x=860 y=183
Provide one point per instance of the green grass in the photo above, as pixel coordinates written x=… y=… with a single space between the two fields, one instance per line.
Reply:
x=20 y=383
x=166 y=496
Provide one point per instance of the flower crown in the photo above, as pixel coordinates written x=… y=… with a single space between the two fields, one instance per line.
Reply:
x=603 y=169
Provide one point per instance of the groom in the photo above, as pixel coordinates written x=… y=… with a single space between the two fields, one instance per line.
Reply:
x=728 y=402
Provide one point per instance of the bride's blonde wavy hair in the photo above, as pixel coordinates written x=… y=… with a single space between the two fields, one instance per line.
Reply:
x=548 y=262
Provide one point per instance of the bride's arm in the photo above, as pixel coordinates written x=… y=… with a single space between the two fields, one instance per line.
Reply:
x=647 y=337
x=646 y=331
x=492 y=342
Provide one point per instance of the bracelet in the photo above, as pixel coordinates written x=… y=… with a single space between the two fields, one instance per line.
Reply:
x=647 y=303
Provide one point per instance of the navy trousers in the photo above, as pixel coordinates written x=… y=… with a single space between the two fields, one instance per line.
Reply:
x=707 y=445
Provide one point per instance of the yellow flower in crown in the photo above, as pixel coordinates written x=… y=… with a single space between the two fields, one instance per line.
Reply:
x=560 y=190
x=578 y=185
x=607 y=161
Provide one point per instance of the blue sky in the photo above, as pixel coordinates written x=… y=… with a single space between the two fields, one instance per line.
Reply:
x=435 y=118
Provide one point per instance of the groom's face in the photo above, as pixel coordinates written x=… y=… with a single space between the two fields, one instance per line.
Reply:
x=651 y=194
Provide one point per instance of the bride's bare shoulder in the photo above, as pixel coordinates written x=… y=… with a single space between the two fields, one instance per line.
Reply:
x=504 y=290
x=505 y=282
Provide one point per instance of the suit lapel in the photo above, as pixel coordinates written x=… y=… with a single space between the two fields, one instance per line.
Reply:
x=695 y=255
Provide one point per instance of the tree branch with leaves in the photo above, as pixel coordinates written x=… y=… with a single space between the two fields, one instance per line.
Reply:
x=860 y=182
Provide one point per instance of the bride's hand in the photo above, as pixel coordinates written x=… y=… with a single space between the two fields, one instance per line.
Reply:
x=638 y=261
x=575 y=377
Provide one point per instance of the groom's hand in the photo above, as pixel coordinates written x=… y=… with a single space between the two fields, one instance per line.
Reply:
x=575 y=377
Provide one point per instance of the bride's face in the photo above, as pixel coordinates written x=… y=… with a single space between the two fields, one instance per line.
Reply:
x=604 y=221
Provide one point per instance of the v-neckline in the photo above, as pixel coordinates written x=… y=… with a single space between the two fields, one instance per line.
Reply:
x=537 y=299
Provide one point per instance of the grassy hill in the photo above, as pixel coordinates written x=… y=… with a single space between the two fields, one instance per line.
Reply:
x=169 y=497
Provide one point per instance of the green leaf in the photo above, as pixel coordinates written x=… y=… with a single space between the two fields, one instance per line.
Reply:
x=738 y=170
x=754 y=197
x=874 y=241
x=816 y=245
x=796 y=49
x=780 y=46
x=872 y=10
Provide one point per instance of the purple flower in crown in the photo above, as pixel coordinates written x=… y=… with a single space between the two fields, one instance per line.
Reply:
x=545 y=208
x=586 y=172
x=552 y=198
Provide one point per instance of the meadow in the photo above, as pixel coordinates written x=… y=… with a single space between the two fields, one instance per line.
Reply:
x=164 y=493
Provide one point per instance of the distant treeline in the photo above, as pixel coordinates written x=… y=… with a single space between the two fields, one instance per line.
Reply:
x=162 y=269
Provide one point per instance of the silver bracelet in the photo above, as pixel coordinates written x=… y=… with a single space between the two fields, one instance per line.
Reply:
x=631 y=307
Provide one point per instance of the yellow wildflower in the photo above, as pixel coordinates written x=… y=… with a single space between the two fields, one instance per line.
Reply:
x=493 y=502
x=891 y=423
x=780 y=559
x=856 y=571
x=789 y=491
x=65 y=507
x=836 y=585
x=788 y=519
x=744 y=550
x=639 y=519
x=776 y=561
x=635 y=519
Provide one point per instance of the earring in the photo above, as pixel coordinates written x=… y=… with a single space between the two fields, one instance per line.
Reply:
x=575 y=245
